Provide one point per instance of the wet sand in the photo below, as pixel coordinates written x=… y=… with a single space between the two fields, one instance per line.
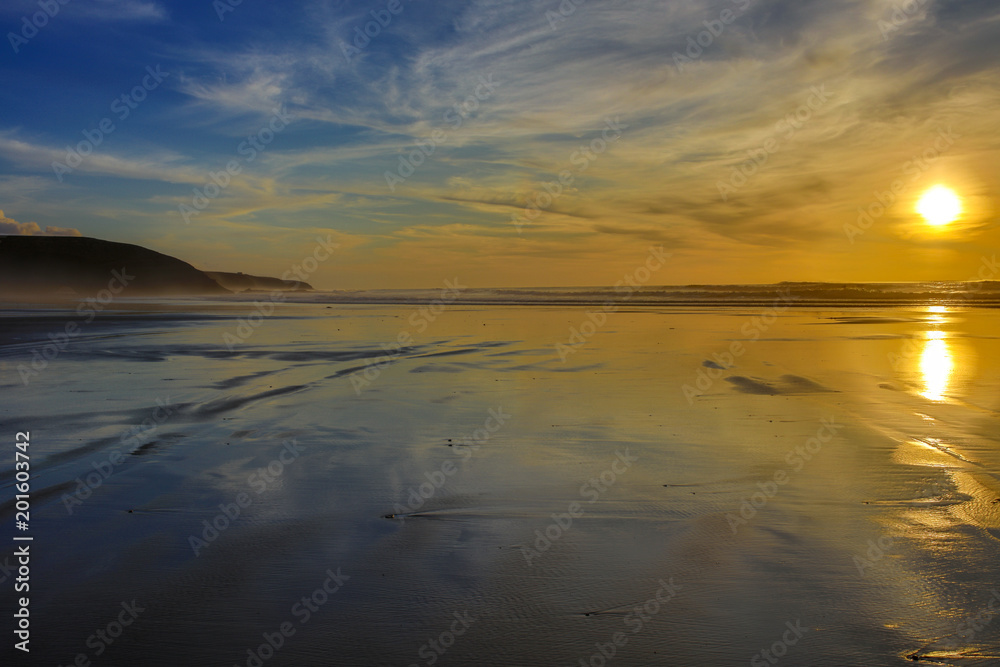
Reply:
x=688 y=486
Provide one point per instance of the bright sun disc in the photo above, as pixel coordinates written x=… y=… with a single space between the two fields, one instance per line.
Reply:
x=939 y=206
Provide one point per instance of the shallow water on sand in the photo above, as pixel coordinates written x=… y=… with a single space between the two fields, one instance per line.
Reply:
x=688 y=486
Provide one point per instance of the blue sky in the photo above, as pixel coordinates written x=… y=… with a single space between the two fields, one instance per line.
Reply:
x=747 y=155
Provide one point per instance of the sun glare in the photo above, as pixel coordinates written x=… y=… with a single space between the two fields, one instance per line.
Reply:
x=936 y=365
x=939 y=206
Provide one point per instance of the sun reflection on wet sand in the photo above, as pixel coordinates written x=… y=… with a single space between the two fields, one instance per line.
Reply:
x=936 y=366
x=937 y=314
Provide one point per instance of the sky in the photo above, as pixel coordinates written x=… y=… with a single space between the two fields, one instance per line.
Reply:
x=509 y=144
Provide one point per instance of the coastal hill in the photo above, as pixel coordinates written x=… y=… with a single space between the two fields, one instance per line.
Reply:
x=79 y=266
x=242 y=282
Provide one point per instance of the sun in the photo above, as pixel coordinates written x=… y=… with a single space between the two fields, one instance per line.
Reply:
x=939 y=206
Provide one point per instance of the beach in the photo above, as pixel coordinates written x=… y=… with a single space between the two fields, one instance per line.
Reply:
x=318 y=483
